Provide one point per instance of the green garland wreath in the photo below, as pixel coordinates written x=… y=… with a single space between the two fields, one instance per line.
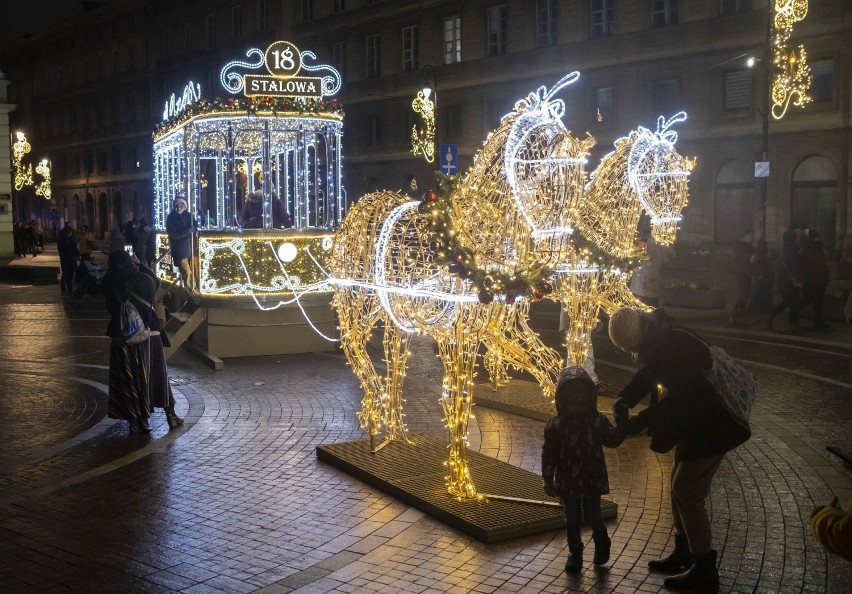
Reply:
x=533 y=282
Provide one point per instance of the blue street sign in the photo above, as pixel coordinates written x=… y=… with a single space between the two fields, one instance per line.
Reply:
x=53 y=216
x=449 y=156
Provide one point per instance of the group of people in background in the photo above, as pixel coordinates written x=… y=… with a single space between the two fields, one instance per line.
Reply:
x=29 y=239
x=800 y=275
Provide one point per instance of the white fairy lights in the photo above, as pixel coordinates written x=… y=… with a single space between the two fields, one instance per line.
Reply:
x=23 y=173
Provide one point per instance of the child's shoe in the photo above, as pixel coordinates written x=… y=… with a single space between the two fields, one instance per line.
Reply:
x=575 y=559
x=602 y=548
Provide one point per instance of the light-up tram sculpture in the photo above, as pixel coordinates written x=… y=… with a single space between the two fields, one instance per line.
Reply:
x=456 y=266
x=281 y=139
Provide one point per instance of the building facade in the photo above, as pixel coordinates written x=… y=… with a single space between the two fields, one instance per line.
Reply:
x=88 y=92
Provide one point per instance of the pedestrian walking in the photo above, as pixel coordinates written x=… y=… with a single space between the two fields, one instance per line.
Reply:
x=66 y=245
x=30 y=238
x=573 y=465
x=788 y=279
x=180 y=227
x=140 y=246
x=743 y=269
x=813 y=266
x=138 y=376
x=703 y=415
x=20 y=239
x=85 y=243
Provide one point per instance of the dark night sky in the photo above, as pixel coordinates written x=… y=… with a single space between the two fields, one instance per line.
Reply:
x=20 y=17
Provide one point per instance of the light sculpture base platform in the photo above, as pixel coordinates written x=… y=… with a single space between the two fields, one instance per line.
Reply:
x=412 y=472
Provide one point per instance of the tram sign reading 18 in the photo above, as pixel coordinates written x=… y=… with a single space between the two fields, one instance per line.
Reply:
x=283 y=61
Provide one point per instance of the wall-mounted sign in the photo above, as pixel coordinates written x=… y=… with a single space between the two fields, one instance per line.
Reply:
x=289 y=74
x=175 y=105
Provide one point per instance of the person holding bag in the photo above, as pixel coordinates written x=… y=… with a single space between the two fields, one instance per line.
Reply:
x=138 y=376
x=703 y=415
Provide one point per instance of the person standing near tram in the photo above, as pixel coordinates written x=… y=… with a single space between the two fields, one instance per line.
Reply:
x=180 y=226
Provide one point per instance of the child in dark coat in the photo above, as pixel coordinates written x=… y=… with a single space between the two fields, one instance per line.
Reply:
x=573 y=464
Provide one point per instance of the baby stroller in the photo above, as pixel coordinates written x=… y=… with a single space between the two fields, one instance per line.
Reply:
x=89 y=278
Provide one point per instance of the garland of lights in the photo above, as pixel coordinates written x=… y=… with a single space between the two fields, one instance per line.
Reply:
x=792 y=73
x=264 y=106
x=23 y=173
x=423 y=142
x=43 y=188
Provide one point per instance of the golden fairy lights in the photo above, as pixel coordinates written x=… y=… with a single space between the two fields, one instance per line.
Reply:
x=458 y=264
x=423 y=141
x=23 y=173
x=791 y=75
x=43 y=188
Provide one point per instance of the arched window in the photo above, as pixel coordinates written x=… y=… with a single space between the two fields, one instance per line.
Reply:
x=814 y=197
x=734 y=201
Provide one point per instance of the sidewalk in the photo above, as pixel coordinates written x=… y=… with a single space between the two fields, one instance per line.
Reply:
x=236 y=501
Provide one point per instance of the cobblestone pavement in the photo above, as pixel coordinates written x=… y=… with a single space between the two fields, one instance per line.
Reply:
x=236 y=501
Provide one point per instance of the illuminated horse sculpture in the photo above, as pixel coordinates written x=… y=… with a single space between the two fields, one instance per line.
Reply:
x=509 y=220
x=643 y=173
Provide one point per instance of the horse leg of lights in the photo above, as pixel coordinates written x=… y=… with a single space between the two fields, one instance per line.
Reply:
x=458 y=357
x=521 y=348
x=395 y=344
x=493 y=361
x=356 y=321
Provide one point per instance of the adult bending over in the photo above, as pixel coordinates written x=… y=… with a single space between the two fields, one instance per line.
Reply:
x=692 y=417
x=138 y=376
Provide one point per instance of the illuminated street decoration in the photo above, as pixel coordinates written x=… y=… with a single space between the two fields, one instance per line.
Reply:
x=176 y=106
x=23 y=173
x=43 y=188
x=284 y=62
x=791 y=77
x=285 y=147
x=463 y=264
x=423 y=141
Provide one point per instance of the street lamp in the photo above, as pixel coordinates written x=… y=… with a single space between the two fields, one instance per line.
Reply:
x=423 y=140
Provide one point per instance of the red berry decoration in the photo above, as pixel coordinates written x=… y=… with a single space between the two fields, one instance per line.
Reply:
x=429 y=196
x=454 y=267
x=486 y=296
x=511 y=296
x=463 y=272
x=545 y=288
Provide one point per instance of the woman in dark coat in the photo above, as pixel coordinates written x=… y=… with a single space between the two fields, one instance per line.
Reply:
x=66 y=245
x=138 y=376
x=692 y=418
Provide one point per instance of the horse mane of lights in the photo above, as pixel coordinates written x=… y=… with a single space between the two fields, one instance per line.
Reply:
x=463 y=264
x=261 y=170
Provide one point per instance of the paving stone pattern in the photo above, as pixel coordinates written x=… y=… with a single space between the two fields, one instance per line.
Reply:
x=236 y=500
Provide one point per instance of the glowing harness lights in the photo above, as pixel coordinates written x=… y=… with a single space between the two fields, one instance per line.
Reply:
x=459 y=265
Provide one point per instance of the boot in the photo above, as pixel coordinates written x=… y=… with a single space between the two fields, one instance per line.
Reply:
x=602 y=551
x=702 y=576
x=173 y=420
x=677 y=560
x=575 y=559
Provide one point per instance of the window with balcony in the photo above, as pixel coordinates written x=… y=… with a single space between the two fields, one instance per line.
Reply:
x=374 y=132
x=236 y=21
x=338 y=56
x=664 y=12
x=372 y=45
x=338 y=6
x=734 y=6
x=211 y=30
x=667 y=97
x=603 y=18
x=410 y=48
x=547 y=23
x=262 y=15
x=605 y=104
x=737 y=90
x=307 y=10
x=116 y=160
x=822 y=84
x=453 y=121
x=187 y=37
x=452 y=40
x=496 y=30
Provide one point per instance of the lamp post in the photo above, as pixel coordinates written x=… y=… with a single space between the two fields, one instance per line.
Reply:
x=423 y=141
